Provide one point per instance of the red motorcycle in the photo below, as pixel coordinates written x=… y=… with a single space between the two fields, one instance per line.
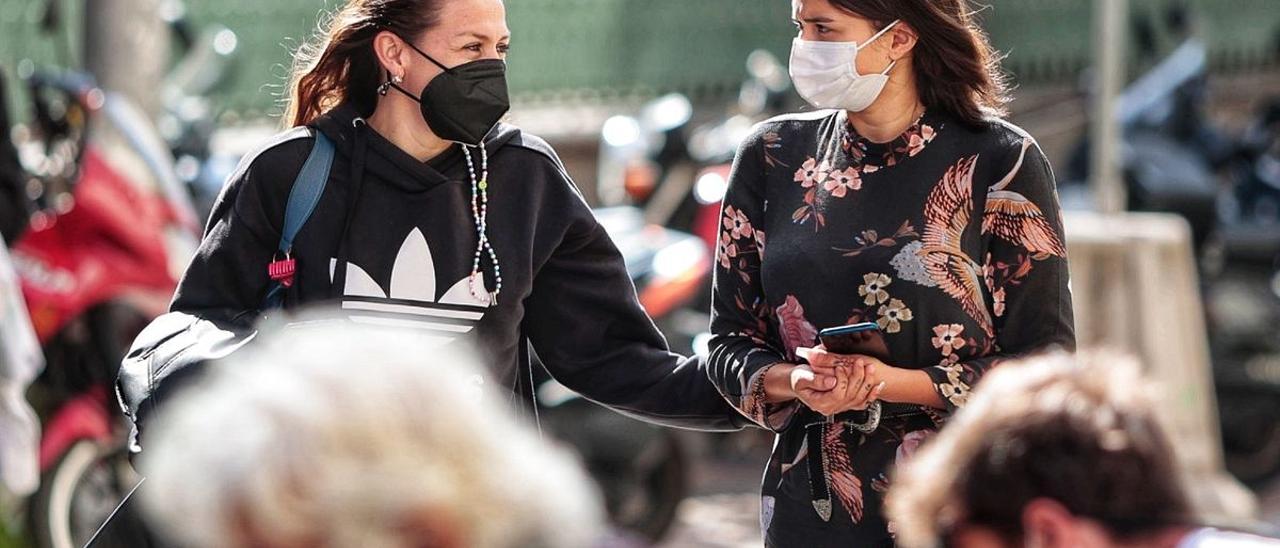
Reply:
x=100 y=260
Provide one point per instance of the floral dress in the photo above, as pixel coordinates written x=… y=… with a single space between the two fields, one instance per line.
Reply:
x=949 y=237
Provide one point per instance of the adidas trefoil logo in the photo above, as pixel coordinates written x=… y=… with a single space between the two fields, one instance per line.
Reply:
x=412 y=301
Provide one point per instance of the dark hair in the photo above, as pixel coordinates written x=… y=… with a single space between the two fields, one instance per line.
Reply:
x=1111 y=466
x=956 y=68
x=342 y=66
x=1079 y=430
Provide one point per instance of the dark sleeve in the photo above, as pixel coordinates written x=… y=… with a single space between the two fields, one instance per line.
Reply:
x=742 y=348
x=1025 y=272
x=589 y=329
x=227 y=278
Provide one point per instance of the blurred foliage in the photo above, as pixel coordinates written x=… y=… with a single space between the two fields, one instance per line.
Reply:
x=597 y=50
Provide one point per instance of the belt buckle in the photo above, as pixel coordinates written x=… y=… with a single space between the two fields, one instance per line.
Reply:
x=873 y=419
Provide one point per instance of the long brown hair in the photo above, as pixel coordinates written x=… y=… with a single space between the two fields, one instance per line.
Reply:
x=342 y=66
x=956 y=68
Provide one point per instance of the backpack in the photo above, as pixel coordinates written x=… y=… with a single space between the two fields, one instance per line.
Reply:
x=175 y=346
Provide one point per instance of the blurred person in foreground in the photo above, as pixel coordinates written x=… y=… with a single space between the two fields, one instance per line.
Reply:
x=1058 y=451
x=334 y=435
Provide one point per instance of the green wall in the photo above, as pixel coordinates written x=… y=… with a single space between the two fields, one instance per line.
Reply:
x=585 y=50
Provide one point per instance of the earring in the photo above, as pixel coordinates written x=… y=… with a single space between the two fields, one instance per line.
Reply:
x=386 y=86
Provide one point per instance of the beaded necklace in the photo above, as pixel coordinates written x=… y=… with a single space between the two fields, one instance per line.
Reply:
x=480 y=212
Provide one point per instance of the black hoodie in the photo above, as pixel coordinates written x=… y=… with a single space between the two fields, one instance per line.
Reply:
x=406 y=234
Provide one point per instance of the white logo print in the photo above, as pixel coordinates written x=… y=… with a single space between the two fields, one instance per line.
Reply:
x=412 y=300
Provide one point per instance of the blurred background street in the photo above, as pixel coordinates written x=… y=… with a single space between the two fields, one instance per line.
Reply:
x=646 y=102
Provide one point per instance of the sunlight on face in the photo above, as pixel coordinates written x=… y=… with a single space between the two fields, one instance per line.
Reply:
x=820 y=21
x=465 y=31
x=470 y=30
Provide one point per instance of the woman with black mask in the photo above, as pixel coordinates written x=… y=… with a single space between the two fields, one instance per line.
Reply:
x=436 y=217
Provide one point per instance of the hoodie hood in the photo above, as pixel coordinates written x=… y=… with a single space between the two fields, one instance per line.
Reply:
x=384 y=160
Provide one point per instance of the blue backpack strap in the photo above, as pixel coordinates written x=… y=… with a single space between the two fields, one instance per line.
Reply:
x=303 y=197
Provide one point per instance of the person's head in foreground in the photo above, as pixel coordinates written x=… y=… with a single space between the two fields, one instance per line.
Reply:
x=1058 y=451
x=338 y=436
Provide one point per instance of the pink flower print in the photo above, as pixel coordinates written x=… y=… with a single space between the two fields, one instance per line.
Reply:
x=915 y=145
x=811 y=173
x=910 y=443
x=927 y=132
x=999 y=303
x=919 y=138
x=948 y=338
x=728 y=250
x=797 y=332
x=843 y=181
x=737 y=222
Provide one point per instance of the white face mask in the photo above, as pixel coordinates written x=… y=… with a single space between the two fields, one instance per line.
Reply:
x=825 y=74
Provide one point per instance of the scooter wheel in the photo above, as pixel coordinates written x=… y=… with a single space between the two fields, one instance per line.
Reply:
x=78 y=494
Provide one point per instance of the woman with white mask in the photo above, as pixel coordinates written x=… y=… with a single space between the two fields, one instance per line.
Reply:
x=906 y=205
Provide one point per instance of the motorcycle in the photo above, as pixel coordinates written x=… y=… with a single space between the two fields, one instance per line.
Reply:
x=1242 y=269
x=1174 y=160
x=100 y=260
x=113 y=230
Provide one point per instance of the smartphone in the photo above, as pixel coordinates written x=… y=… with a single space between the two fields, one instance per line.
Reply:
x=862 y=338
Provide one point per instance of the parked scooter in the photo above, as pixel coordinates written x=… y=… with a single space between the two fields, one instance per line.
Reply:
x=101 y=260
x=113 y=229
x=1242 y=295
x=1175 y=161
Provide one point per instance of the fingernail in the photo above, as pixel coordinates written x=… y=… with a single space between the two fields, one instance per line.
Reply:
x=804 y=352
x=829 y=382
x=880 y=386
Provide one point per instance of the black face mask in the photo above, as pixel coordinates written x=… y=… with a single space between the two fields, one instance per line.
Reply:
x=463 y=103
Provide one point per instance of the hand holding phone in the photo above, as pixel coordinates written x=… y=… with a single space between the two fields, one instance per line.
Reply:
x=864 y=339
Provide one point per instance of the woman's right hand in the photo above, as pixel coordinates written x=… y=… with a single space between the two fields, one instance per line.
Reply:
x=784 y=382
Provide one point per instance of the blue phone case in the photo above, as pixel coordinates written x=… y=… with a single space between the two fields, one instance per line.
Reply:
x=848 y=329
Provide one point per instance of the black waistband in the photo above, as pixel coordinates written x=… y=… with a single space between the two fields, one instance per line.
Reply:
x=887 y=411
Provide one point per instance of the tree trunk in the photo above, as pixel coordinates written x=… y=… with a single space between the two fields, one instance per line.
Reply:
x=127 y=48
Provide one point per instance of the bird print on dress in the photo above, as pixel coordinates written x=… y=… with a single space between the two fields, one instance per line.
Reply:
x=1008 y=215
x=1014 y=218
x=946 y=215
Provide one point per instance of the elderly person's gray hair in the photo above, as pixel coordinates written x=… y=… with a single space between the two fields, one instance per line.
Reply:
x=335 y=435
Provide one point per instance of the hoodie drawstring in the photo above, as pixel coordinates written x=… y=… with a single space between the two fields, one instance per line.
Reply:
x=360 y=144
